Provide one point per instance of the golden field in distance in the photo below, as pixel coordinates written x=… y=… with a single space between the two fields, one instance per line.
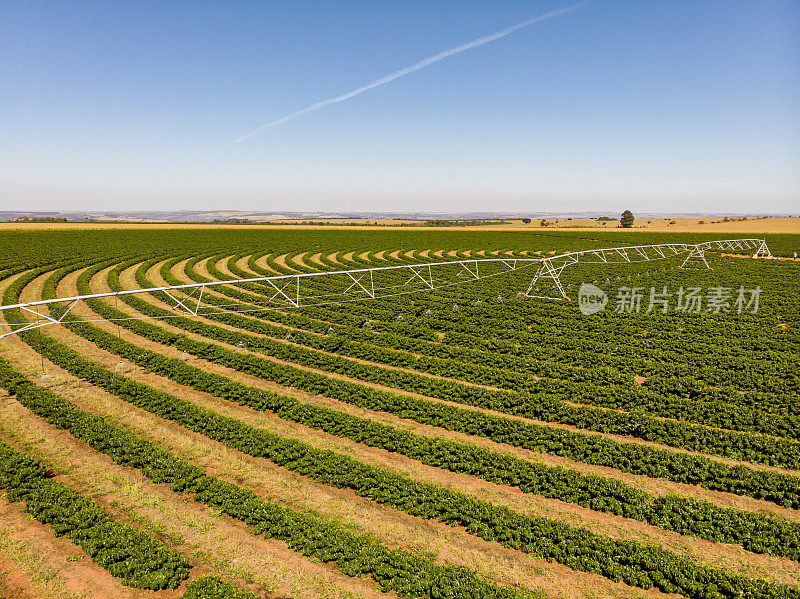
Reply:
x=686 y=225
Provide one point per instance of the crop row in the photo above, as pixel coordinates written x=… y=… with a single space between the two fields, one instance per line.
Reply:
x=634 y=563
x=472 y=366
x=395 y=570
x=542 y=406
x=635 y=458
x=709 y=338
x=707 y=361
x=616 y=397
x=517 y=373
x=754 y=531
x=706 y=404
x=499 y=315
x=213 y=587
x=127 y=553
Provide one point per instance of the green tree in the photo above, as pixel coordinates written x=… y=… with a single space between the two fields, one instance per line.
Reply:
x=626 y=221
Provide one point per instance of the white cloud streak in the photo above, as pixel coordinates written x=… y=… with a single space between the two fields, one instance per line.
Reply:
x=416 y=67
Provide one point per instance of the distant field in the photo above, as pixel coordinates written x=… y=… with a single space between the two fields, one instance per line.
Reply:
x=708 y=225
x=751 y=225
x=463 y=442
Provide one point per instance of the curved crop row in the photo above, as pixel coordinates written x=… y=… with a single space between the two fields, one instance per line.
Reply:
x=640 y=565
x=781 y=489
x=471 y=366
x=756 y=532
x=127 y=553
x=394 y=570
x=543 y=404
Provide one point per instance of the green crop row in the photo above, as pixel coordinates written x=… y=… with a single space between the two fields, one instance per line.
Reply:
x=636 y=564
x=548 y=331
x=542 y=405
x=719 y=407
x=734 y=445
x=395 y=570
x=471 y=366
x=139 y=560
x=213 y=587
x=755 y=531
x=781 y=489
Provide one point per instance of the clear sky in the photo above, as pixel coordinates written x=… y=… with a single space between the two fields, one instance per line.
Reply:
x=659 y=106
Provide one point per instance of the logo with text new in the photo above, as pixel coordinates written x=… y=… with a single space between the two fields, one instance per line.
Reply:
x=591 y=299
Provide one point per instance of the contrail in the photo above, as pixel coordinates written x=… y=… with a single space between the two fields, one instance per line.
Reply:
x=416 y=67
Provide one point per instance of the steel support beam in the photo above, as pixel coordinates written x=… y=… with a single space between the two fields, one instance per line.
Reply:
x=695 y=258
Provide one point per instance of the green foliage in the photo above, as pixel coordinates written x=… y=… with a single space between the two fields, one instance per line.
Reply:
x=40 y=219
x=355 y=554
x=213 y=587
x=735 y=394
x=139 y=560
x=409 y=576
x=631 y=457
x=626 y=220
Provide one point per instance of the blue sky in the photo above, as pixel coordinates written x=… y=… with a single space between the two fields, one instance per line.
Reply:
x=661 y=106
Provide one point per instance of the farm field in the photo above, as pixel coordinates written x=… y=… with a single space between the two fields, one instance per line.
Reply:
x=456 y=442
x=732 y=227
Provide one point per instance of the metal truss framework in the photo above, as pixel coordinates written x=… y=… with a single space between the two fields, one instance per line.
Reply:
x=551 y=268
x=327 y=287
x=302 y=289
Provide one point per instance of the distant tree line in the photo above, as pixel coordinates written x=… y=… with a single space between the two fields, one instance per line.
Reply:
x=464 y=223
x=40 y=219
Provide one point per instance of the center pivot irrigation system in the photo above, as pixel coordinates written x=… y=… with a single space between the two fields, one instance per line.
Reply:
x=551 y=268
x=335 y=287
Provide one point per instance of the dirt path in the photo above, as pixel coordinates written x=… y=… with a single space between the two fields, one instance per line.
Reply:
x=200 y=267
x=243 y=264
x=317 y=260
x=40 y=564
x=261 y=262
x=281 y=261
x=751 y=257
x=222 y=266
x=300 y=260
